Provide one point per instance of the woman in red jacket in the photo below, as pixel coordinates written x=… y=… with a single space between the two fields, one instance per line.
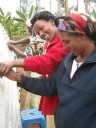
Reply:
x=44 y=24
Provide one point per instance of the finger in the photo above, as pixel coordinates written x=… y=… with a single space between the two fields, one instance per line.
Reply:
x=1 y=67
x=6 y=71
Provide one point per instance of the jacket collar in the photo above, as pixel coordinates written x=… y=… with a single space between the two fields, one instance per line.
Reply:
x=91 y=57
x=69 y=60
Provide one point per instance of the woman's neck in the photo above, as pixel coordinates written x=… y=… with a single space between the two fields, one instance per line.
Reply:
x=86 y=52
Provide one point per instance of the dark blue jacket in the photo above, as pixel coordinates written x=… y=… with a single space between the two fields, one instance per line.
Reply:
x=77 y=96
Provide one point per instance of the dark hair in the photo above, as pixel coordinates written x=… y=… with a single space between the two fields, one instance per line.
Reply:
x=44 y=15
x=74 y=33
x=90 y=29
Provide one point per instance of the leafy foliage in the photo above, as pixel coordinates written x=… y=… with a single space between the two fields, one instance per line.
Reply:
x=16 y=26
x=94 y=13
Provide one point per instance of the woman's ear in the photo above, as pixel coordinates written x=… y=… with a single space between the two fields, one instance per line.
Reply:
x=82 y=35
x=52 y=22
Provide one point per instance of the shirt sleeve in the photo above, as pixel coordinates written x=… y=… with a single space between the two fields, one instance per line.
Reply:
x=48 y=62
x=32 y=38
x=39 y=86
x=25 y=54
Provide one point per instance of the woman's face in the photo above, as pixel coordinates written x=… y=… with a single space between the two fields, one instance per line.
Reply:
x=75 y=44
x=45 y=29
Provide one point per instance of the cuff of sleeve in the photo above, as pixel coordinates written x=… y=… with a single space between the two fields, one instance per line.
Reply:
x=21 y=83
x=26 y=64
x=29 y=64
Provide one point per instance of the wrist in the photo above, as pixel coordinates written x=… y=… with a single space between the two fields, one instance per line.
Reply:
x=18 y=79
x=13 y=48
x=12 y=63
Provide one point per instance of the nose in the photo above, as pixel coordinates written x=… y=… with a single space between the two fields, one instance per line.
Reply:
x=41 y=35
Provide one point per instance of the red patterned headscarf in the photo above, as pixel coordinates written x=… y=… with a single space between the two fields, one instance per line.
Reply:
x=76 y=22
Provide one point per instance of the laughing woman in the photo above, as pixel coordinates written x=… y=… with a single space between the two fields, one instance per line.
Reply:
x=45 y=25
x=74 y=82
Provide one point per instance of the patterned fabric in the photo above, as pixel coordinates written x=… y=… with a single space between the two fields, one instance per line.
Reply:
x=28 y=51
x=31 y=48
x=36 y=39
x=76 y=22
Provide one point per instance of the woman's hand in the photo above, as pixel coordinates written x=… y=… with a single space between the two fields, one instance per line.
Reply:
x=11 y=46
x=12 y=75
x=6 y=67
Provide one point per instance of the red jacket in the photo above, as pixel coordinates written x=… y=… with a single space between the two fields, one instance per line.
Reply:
x=46 y=64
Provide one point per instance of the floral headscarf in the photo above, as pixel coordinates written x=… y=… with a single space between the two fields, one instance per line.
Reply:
x=76 y=22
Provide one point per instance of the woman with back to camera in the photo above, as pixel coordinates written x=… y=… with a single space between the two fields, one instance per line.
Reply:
x=33 y=42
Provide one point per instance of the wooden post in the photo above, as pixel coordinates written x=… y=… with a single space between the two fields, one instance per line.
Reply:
x=66 y=6
x=9 y=104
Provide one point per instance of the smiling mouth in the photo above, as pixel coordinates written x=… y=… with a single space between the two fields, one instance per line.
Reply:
x=46 y=37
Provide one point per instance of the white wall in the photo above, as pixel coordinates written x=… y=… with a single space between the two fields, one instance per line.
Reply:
x=9 y=104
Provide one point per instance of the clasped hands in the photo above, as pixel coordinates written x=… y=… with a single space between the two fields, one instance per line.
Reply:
x=7 y=71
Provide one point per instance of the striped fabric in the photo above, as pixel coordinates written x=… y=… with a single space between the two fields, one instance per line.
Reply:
x=76 y=22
